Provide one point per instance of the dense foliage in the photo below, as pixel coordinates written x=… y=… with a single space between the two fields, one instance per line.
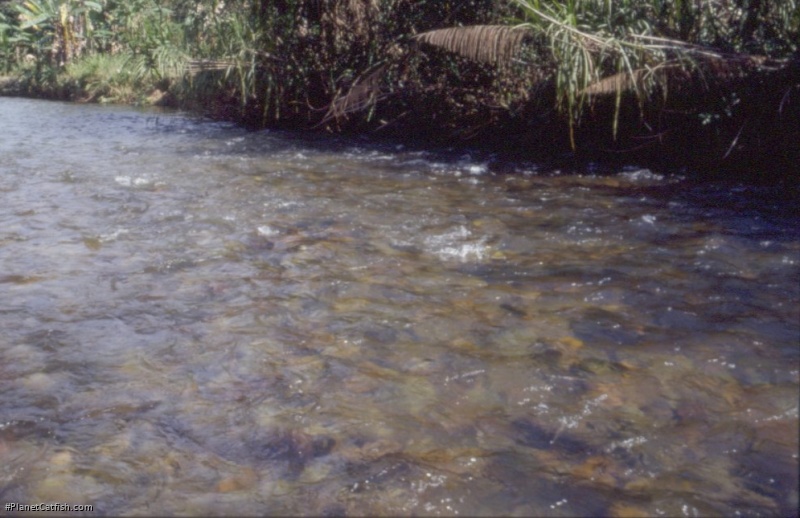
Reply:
x=577 y=73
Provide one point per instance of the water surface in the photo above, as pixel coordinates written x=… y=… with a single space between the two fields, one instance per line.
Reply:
x=200 y=320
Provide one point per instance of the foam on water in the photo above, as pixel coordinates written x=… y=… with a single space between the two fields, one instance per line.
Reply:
x=458 y=244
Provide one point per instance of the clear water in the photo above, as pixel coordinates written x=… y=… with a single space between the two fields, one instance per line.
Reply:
x=197 y=320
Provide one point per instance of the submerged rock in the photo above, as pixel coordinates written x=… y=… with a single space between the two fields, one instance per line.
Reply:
x=530 y=434
x=294 y=447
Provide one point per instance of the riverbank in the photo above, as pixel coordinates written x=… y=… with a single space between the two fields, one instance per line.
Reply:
x=9 y=87
x=757 y=145
x=711 y=94
x=708 y=136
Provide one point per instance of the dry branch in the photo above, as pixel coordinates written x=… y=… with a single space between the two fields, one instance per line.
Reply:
x=365 y=92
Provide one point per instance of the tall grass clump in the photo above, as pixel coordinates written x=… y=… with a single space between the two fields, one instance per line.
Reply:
x=104 y=78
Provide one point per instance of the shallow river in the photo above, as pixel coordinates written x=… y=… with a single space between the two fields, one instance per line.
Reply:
x=200 y=320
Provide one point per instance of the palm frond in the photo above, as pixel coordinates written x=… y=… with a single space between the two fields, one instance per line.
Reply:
x=495 y=44
x=364 y=93
x=707 y=68
x=196 y=66
x=621 y=82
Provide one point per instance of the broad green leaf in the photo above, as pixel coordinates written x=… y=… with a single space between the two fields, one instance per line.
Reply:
x=33 y=22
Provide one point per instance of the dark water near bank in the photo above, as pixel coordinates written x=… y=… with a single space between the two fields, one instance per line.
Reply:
x=199 y=320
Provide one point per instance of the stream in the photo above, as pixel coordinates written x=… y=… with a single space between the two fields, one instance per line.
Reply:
x=200 y=320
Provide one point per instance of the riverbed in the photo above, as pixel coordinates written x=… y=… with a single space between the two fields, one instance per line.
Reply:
x=201 y=320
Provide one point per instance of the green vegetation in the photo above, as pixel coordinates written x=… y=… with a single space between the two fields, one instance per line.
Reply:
x=646 y=77
x=593 y=48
